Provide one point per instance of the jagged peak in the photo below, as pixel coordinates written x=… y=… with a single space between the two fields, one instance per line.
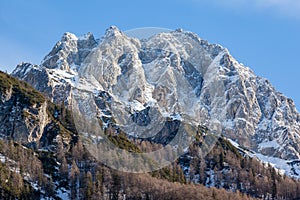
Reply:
x=179 y=30
x=203 y=42
x=86 y=36
x=113 y=31
x=68 y=36
x=23 y=65
x=68 y=44
x=188 y=33
x=180 y=35
x=23 y=68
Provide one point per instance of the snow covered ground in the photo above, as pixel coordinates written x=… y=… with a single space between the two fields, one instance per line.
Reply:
x=288 y=167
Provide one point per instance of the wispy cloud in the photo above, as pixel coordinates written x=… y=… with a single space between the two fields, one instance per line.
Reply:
x=290 y=8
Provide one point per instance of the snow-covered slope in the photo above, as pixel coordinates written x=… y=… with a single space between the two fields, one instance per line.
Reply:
x=178 y=74
x=288 y=167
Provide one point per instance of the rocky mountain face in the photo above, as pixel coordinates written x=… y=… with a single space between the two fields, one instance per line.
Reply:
x=26 y=116
x=178 y=74
x=57 y=166
x=53 y=76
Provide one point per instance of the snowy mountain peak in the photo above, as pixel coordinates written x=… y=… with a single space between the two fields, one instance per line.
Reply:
x=68 y=36
x=179 y=30
x=23 y=68
x=113 y=31
x=146 y=72
x=69 y=52
x=87 y=36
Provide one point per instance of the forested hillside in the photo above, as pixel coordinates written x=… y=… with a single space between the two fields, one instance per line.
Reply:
x=57 y=165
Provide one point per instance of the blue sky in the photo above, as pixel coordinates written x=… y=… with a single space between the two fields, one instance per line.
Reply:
x=262 y=34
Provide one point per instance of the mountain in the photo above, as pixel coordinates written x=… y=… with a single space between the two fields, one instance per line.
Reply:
x=181 y=76
x=42 y=157
x=57 y=166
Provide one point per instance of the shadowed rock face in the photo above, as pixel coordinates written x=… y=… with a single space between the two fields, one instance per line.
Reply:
x=142 y=117
x=205 y=81
x=193 y=76
x=26 y=116
x=21 y=122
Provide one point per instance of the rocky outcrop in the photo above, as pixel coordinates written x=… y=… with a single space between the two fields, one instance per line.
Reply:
x=25 y=114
